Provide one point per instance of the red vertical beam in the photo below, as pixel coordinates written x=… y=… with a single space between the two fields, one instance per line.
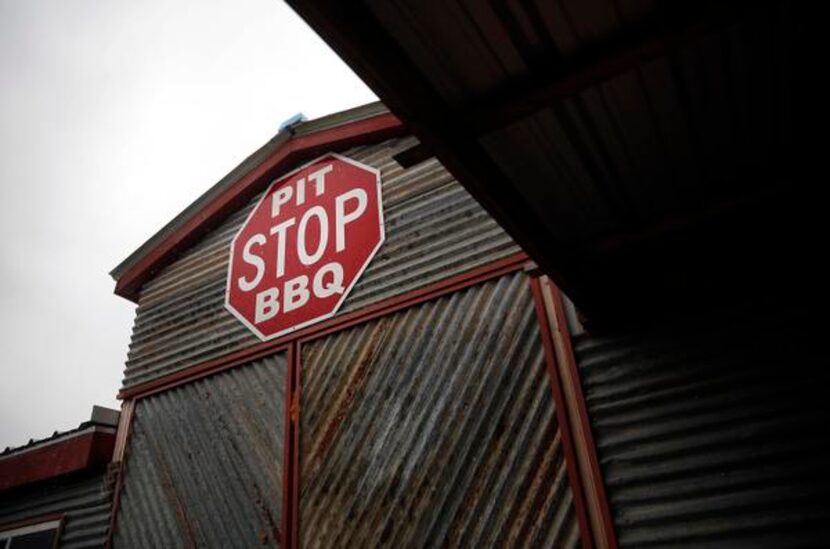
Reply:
x=124 y=426
x=120 y=453
x=593 y=479
x=295 y=448
x=291 y=451
x=571 y=462
x=288 y=451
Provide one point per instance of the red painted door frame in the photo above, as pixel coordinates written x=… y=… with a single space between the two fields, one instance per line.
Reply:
x=587 y=480
x=589 y=497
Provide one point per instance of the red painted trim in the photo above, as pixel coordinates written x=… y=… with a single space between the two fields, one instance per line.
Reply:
x=119 y=483
x=291 y=453
x=290 y=521
x=484 y=273
x=295 y=448
x=571 y=462
x=78 y=453
x=582 y=412
x=203 y=370
x=294 y=150
x=385 y=307
x=285 y=520
x=32 y=520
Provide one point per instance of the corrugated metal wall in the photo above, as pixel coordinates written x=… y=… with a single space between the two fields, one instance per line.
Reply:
x=434 y=229
x=204 y=465
x=86 y=500
x=435 y=426
x=712 y=435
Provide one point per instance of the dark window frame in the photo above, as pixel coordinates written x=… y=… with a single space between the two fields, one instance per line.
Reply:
x=42 y=523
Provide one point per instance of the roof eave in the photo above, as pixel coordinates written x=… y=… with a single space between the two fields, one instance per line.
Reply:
x=344 y=129
x=85 y=449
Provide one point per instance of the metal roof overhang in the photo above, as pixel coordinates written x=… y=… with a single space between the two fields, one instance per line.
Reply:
x=644 y=154
x=87 y=448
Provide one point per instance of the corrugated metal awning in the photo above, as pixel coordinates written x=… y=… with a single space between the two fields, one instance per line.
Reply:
x=637 y=150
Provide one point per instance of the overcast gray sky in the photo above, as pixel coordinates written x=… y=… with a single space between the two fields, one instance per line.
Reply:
x=114 y=116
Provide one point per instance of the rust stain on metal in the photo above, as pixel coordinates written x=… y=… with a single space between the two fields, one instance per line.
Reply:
x=268 y=517
x=172 y=494
x=205 y=462
x=438 y=427
x=294 y=409
x=352 y=388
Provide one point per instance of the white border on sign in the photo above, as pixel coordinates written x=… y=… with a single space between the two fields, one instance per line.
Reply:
x=281 y=180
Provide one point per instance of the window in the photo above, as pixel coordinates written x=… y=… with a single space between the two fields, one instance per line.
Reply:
x=40 y=535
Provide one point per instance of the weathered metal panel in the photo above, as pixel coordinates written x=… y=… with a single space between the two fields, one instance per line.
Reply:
x=434 y=229
x=435 y=426
x=711 y=435
x=204 y=465
x=86 y=501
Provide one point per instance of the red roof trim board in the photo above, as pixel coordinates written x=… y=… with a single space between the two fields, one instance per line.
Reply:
x=295 y=149
x=84 y=450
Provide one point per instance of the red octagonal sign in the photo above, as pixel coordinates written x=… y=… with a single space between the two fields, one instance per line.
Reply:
x=304 y=246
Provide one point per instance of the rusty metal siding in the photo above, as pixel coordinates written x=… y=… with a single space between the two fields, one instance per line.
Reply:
x=86 y=502
x=434 y=229
x=204 y=465
x=435 y=426
x=711 y=435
